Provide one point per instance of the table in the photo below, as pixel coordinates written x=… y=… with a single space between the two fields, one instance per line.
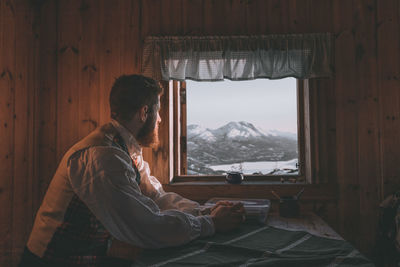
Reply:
x=308 y=222
x=303 y=241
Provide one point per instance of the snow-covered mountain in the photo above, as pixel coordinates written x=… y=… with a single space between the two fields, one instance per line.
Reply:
x=280 y=133
x=234 y=130
x=239 y=130
x=197 y=131
x=236 y=142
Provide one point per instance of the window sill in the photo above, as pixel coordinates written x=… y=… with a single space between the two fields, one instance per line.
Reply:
x=244 y=183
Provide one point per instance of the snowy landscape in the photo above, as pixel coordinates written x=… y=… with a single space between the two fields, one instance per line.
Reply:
x=240 y=146
x=260 y=167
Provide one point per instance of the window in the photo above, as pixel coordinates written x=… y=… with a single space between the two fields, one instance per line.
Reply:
x=307 y=57
x=249 y=126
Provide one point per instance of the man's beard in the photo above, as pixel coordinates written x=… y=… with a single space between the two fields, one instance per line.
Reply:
x=148 y=134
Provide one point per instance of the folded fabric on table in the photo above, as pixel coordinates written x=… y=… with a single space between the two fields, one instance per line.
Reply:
x=258 y=245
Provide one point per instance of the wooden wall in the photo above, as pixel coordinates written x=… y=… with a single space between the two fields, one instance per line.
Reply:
x=58 y=60
x=19 y=73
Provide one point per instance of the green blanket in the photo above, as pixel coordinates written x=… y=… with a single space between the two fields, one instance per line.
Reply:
x=258 y=245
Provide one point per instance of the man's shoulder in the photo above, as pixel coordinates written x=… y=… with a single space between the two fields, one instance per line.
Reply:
x=100 y=137
x=99 y=154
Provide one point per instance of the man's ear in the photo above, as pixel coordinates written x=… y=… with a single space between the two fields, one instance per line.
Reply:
x=143 y=113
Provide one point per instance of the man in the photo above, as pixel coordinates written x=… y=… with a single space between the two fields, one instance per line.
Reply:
x=103 y=191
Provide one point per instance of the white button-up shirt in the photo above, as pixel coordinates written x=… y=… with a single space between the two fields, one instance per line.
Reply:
x=145 y=215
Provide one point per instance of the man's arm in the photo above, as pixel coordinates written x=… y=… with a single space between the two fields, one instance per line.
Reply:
x=152 y=188
x=104 y=180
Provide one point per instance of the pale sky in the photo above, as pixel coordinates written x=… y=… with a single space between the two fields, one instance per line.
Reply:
x=268 y=104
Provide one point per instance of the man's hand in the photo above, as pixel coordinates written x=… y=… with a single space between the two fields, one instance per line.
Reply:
x=227 y=216
x=222 y=203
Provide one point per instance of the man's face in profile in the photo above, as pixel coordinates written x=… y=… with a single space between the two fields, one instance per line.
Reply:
x=148 y=134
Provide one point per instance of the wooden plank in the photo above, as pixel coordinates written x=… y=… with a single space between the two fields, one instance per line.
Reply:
x=171 y=145
x=183 y=131
x=368 y=121
x=227 y=22
x=346 y=121
x=275 y=15
x=131 y=46
x=251 y=17
x=313 y=128
x=262 y=21
x=177 y=127
x=110 y=53
x=302 y=109
x=298 y=16
x=192 y=17
x=326 y=128
x=284 y=21
x=68 y=75
x=389 y=94
x=323 y=159
x=34 y=121
x=171 y=17
x=231 y=16
x=307 y=154
x=89 y=68
x=26 y=53
x=7 y=101
x=322 y=16
x=150 y=18
x=48 y=97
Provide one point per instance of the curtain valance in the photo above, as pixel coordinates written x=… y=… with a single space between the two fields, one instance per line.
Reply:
x=213 y=58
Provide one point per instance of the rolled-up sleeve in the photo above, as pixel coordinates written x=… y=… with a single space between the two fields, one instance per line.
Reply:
x=152 y=188
x=103 y=178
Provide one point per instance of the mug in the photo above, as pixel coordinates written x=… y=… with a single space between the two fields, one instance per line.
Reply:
x=234 y=177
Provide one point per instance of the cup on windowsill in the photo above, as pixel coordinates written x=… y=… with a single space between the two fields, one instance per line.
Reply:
x=234 y=177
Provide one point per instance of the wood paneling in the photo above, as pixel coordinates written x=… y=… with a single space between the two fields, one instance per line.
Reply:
x=47 y=136
x=89 y=68
x=109 y=47
x=7 y=109
x=19 y=46
x=68 y=74
x=346 y=119
x=25 y=132
x=368 y=116
x=388 y=42
x=83 y=45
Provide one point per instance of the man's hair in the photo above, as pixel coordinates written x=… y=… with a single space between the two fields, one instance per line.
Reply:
x=131 y=92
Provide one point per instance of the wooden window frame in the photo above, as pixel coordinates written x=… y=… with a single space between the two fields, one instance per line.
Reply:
x=179 y=117
x=319 y=139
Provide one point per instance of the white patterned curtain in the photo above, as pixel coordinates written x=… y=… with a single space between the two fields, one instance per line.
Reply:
x=214 y=58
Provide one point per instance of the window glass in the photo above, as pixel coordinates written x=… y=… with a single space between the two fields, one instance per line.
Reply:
x=247 y=126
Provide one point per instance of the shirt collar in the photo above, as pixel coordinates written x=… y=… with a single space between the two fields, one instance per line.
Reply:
x=133 y=146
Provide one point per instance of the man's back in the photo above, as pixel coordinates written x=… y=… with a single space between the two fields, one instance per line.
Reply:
x=64 y=226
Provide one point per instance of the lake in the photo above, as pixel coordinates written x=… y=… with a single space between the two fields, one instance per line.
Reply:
x=258 y=166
